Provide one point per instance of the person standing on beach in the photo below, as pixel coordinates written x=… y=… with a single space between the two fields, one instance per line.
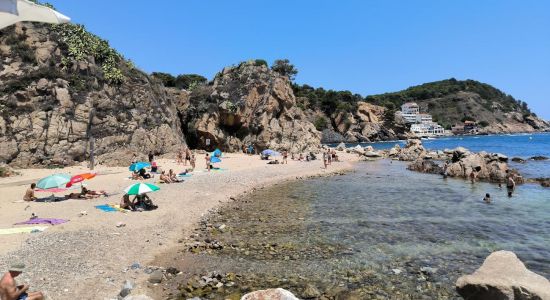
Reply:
x=187 y=156
x=510 y=185
x=134 y=158
x=151 y=156
x=207 y=160
x=329 y=157
x=193 y=160
x=325 y=159
x=29 y=194
x=285 y=157
x=9 y=290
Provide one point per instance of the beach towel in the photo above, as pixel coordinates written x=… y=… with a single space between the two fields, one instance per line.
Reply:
x=106 y=208
x=22 y=230
x=184 y=175
x=43 y=221
x=110 y=208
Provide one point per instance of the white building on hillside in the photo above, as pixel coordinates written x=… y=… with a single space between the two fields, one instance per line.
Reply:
x=422 y=124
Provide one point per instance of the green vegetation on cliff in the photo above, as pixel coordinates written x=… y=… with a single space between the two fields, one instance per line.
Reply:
x=327 y=101
x=184 y=81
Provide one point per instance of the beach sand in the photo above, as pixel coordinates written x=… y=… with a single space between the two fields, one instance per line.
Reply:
x=89 y=257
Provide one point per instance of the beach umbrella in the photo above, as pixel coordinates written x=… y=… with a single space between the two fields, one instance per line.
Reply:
x=13 y=11
x=138 y=166
x=215 y=159
x=79 y=178
x=141 y=188
x=53 y=181
x=217 y=153
x=269 y=152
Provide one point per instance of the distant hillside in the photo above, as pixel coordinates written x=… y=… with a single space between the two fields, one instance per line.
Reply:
x=452 y=101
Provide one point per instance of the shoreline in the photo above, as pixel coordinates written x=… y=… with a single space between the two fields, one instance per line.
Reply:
x=92 y=249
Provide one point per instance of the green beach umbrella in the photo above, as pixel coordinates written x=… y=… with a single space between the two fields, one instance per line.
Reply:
x=141 y=188
x=53 y=181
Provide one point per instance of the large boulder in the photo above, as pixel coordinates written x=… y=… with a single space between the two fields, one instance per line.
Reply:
x=503 y=277
x=270 y=294
x=488 y=167
x=426 y=166
x=412 y=150
x=248 y=104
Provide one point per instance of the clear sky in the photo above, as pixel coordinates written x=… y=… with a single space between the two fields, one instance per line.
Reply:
x=364 y=46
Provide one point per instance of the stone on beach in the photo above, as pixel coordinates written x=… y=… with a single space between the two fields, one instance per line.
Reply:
x=412 y=150
x=270 y=294
x=503 y=277
x=341 y=147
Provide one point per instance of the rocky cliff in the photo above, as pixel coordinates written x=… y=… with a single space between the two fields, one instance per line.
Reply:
x=247 y=104
x=62 y=87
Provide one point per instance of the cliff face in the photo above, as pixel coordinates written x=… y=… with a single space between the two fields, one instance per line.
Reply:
x=52 y=104
x=248 y=104
x=366 y=123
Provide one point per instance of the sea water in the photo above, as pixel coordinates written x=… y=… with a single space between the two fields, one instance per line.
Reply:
x=385 y=232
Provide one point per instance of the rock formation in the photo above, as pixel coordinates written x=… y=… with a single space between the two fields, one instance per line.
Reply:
x=503 y=277
x=412 y=150
x=271 y=294
x=52 y=105
x=248 y=104
x=492 y=167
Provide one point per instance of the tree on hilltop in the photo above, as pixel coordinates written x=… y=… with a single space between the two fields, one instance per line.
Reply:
x=285 y=68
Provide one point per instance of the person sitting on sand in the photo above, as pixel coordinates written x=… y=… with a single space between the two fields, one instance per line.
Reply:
x=29 y=194
x=125 y=203
x=173 y=177
x=487 y=198
x=154 y=167
x=143 y=174
x=91 y=194
x=9 y=290
x=301 y=157
x=165 y=178
x=143 y=202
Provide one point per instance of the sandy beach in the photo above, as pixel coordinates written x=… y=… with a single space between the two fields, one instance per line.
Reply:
x=89 y=257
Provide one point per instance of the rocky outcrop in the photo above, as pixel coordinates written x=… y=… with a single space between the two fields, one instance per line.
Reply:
x=271 y=294
x=503 y=277
x=52 y=106
x=248 y=104
x=365 y=124
x=412 y=150
x=426 y=166
x=491 y=167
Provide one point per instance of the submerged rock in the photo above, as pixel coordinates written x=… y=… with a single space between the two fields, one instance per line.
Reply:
x=518 y=160
x=271 y=294
x=503 y=277
x=539 y=157
x=426 y=166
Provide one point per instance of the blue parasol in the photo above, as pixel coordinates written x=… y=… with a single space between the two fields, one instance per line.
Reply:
x=215 y=159
x=138 y=166
x=217 y=153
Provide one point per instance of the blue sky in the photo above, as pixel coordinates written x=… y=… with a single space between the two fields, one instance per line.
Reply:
x=367 y=47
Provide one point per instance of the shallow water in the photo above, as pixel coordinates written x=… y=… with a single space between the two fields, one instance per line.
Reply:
x=379 y=232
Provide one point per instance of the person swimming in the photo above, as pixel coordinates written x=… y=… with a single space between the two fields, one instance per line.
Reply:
x=487 y=198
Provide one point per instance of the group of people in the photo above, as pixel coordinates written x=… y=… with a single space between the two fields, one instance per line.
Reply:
x=185 y=155
x=329 y=156
x=170 y=177
x=85 y=193
x=140 y=202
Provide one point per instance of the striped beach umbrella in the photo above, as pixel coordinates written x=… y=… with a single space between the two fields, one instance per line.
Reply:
x=141 y=188
x=80 y=177
x=53 y=181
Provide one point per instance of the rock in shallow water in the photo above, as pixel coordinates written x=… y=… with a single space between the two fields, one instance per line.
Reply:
x=271 y=294
x=503 y=277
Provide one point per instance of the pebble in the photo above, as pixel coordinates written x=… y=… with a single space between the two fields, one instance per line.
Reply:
x=156 y=277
